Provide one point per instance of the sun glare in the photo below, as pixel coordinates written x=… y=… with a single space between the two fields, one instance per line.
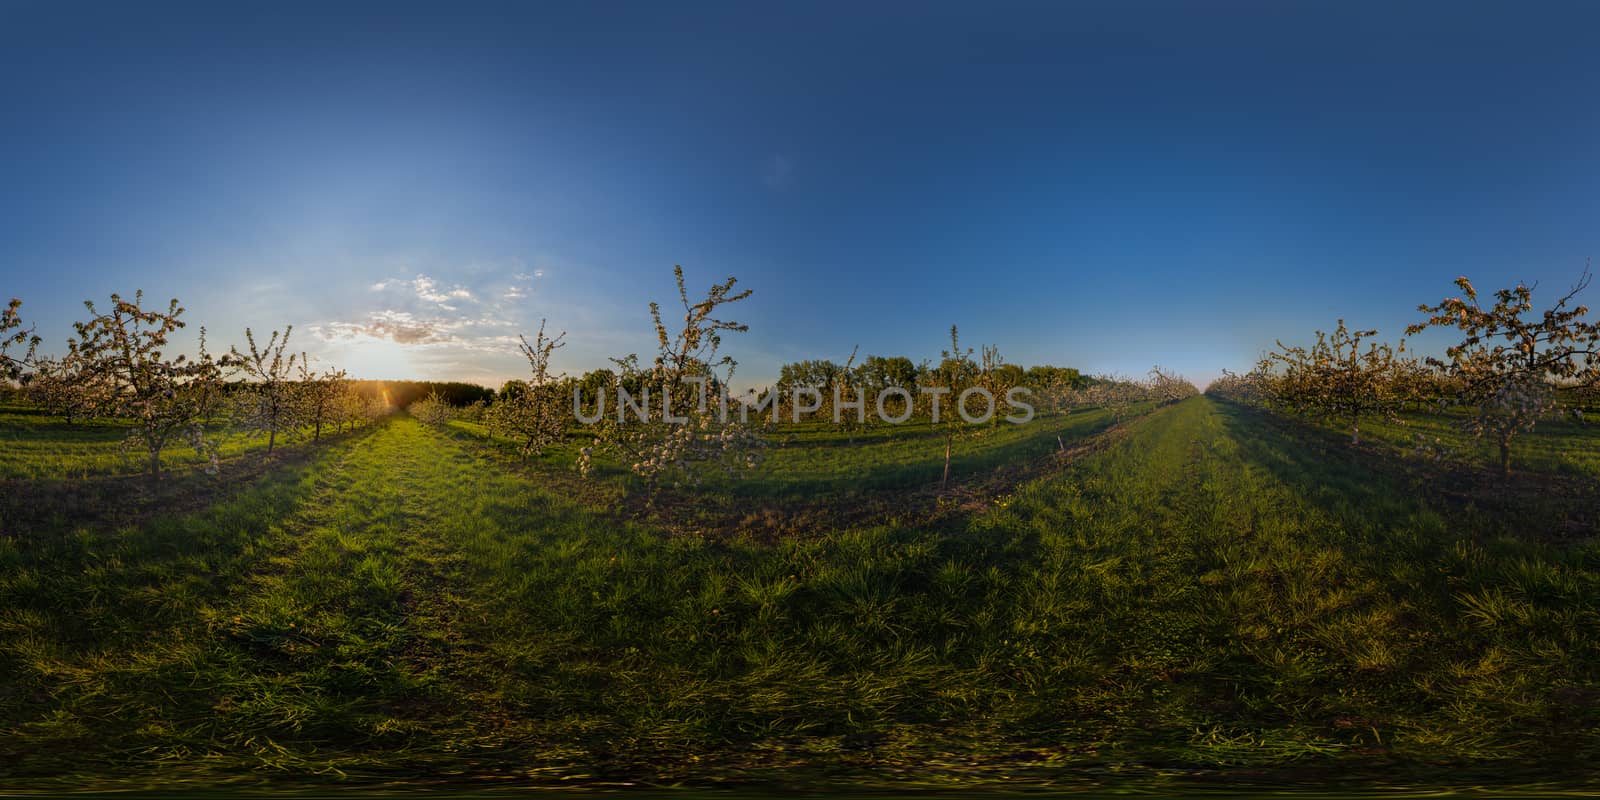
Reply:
x=380 y=359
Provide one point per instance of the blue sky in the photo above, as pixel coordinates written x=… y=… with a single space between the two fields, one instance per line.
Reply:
x=1106 y=186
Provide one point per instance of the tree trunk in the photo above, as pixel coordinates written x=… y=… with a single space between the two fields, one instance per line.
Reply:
x=272 y=436
x=317 y=437
x=1505 y=455
x=946 y=479
x=155 y=465
x=1355 y=430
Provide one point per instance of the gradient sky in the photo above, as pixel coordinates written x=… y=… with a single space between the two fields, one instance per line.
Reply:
x=1106 y=186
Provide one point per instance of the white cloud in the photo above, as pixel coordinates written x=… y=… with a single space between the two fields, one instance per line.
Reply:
x=437 y=326
x=402 y=327
x=521 y=289
x=428 y=290
x=488 y=334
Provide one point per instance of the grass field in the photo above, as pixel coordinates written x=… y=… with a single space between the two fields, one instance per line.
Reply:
x=1201 y=594
x=42 y=447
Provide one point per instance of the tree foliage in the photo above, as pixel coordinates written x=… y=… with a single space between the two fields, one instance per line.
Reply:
x=318 y=395
x=17 y=344
x=661 y=444
x=536 y=413
x=1336 y=378
x=1509 y=362
x=269 y=404
x=1243 y=388
x=123 y=350
x=431 y=410
x=1165 y=387
x=1115 y=393
x=66 y=387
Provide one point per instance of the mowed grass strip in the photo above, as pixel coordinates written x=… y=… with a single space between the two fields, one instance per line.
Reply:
x=1207 y=594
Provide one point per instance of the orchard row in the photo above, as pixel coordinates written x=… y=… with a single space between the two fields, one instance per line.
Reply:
x=1513 y=366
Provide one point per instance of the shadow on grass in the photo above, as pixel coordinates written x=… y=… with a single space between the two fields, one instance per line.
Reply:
x=34 y=506
x=523 y=637
x=805 y=489
x=1378 y=478
x=814 y=464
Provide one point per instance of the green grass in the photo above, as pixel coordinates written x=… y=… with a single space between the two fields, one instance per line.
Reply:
x=1214 y=596
x=1561 y=444
x=808 y=460
x=38 y=446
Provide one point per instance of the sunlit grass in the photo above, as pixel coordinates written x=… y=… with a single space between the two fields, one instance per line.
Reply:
x=37 y=446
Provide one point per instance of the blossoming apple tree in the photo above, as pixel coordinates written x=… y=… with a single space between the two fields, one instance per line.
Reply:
x=1337 y=379
x=166 y=397
x=269 y=404
x=12 y=335
x=536 y=414
x=691 y=425
x=1508 y=360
